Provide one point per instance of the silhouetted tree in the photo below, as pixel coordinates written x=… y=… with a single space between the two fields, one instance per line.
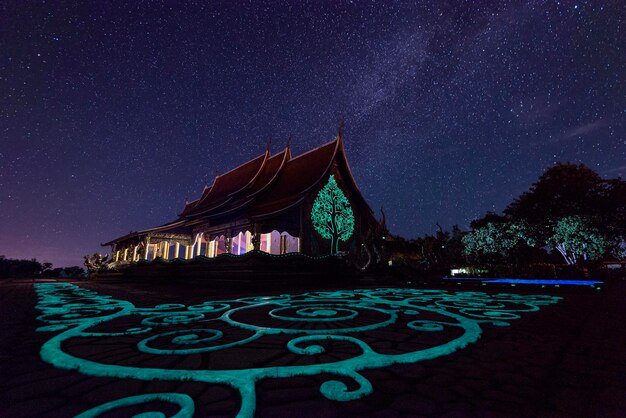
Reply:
x=69 y=272
x=612 y=206
x=572 y=190
x=440 y=251
x=10 y=268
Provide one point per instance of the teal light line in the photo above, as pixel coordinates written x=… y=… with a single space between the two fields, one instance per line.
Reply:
x=345 y=316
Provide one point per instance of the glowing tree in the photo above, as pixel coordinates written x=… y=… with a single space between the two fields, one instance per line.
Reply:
x=573 y=237
x=483 y=240
x=332 y=215
x=496 y=238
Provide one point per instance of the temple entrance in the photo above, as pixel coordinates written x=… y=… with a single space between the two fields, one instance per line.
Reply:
x=216 y=247
x=279 y=243
x=242 y=243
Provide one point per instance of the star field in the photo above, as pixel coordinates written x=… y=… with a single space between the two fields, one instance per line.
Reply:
x=112 y=114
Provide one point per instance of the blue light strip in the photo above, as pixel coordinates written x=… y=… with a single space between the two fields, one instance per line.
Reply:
x=538 y=281
x=528 y=281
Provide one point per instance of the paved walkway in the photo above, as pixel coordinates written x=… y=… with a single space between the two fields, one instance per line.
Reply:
x=567 y=359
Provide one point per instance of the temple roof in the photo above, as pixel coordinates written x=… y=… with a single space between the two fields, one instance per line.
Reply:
x=297 y=176
x=226 y=185
x=279 y=183
x=264 y=186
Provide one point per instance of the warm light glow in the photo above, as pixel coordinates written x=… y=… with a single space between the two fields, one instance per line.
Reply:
x=266 y=240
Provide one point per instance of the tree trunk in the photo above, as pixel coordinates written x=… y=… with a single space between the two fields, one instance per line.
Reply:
x=563 y=251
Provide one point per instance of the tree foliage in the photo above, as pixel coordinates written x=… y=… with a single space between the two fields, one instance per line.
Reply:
x=12 y=268
x=74 y=272
x=567 y=202
x=612 y=205
x=431 y=254
x=332 y=215
x=572 y=190
x=561 y=190
x=442 y=250
x=497 y=238
x=574 y=238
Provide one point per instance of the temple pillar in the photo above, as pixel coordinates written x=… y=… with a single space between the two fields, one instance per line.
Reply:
x=234 y=241
x=176 y=249
x=207 y=248
x=256 y=238
x=147 y=248
x=198 y=244
x=228 y=241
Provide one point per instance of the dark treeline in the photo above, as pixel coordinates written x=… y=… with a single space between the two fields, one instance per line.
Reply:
x=13 y=269
x=571 y=216
x=431 y=254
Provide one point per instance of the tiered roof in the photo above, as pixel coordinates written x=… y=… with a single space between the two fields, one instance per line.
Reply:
x=264 y=186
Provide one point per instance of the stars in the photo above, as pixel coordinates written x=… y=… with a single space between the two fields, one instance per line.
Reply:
x=138 y=105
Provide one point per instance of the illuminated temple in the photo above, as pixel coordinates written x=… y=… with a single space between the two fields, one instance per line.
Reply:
x=276 y=204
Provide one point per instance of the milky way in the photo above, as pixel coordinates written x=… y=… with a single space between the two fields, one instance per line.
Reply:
x=112 y=114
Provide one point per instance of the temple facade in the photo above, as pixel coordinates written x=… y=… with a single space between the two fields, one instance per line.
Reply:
x=277 y=204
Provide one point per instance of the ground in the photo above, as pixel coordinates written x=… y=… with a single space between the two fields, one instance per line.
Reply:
x=565 y=359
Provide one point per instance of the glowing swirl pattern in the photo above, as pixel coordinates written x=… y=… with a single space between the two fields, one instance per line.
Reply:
x=312 y=322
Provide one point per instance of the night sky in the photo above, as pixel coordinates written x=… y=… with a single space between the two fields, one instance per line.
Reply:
x=112 y=114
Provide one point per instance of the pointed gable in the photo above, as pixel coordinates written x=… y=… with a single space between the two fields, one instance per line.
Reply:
x=267 y=185
x=227 y=184
x=297 y=176
x=269 y=172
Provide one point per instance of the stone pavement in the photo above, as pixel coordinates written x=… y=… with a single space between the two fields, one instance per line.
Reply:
x=566 y=359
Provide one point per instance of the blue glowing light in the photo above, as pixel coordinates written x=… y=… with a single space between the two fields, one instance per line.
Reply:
x=544 y=282
x=528 y=281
